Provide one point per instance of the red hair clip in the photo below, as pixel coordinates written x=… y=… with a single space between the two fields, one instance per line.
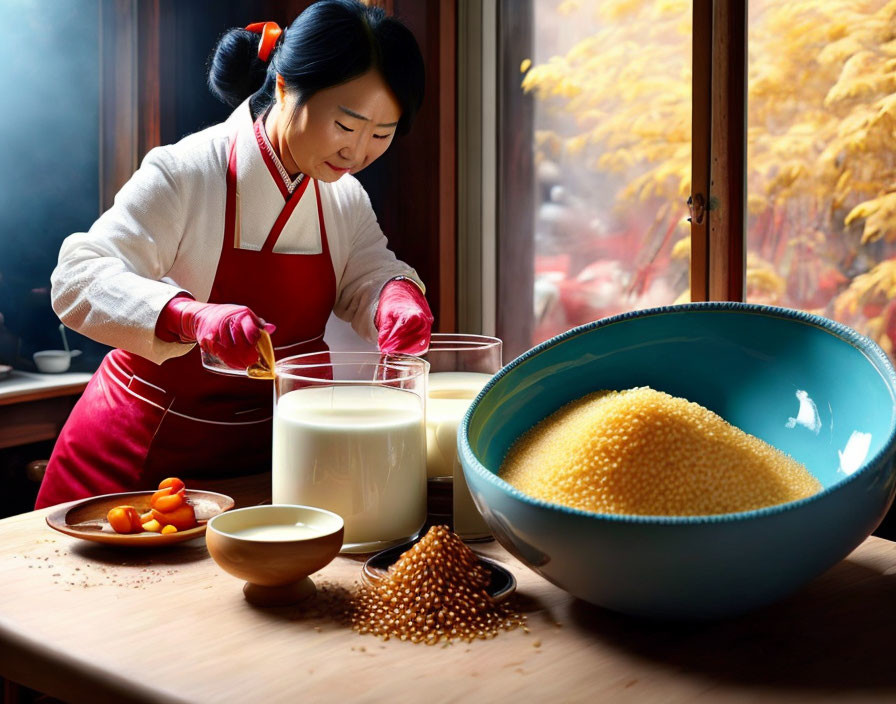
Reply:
x=270 y=33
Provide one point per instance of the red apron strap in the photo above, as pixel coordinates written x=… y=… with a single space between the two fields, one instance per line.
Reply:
x=325 y=245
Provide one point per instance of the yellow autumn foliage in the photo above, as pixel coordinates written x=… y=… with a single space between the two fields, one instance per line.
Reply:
x=821 y=143
x=879 y=215
x=764 y=284
x=879 y=281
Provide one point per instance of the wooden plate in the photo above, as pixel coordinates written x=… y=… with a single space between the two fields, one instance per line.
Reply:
x=86 y=519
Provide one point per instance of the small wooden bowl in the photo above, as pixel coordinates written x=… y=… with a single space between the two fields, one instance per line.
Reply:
x=275 y=549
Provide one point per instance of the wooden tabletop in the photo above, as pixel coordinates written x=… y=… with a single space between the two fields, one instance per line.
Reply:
x=34 y=407
x=88 y=623
x=21 y=386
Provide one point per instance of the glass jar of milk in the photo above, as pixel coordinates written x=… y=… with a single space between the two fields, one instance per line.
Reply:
x=460 y=365
x=349 y=437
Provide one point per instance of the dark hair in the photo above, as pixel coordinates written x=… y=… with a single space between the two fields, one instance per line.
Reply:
x=331 y=42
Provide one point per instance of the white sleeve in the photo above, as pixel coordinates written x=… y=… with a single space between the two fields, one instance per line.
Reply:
x=369 y=265
x=109 y=283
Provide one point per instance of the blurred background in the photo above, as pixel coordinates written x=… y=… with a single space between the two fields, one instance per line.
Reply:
x=612 y=148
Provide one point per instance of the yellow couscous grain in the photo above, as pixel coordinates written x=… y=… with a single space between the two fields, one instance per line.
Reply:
x=645 y=452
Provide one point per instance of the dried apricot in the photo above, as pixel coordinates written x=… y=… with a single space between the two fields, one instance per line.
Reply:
x=124 y=519
x=165 y=501
x=172 y=483
x=183 y=517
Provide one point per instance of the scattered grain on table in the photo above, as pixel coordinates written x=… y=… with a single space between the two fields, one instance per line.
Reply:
x=67 y=573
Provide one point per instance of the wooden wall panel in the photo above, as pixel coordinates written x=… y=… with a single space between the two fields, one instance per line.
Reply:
x=149 y=52
x=118 y=96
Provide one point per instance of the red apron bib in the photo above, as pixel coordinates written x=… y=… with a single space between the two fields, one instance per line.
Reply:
x=138 y=422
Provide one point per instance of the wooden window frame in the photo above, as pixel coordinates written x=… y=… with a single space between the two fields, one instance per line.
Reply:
x=477 y=160
x=718 y=191
x=515 y=180
x=718 y=151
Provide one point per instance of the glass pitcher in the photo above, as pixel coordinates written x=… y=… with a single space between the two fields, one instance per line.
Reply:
x=349 y=437
x=459 y=366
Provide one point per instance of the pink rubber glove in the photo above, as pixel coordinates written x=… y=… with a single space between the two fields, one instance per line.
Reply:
x=229 y=332
x=403 y=319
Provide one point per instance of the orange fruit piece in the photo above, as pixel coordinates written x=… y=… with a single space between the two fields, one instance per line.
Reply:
x=124 y=519
x=182 y=518
x=165 y=501
x=170 y=494
x=172 y=483
x=152 y=526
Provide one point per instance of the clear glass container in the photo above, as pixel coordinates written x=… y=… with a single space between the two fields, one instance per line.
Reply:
x=349 y=437
x=459 y=366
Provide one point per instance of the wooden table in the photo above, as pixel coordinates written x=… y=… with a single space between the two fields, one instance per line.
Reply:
x=33 y=407
x=92 y=624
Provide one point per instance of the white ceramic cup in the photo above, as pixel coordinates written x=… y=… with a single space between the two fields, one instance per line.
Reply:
x=54 y=361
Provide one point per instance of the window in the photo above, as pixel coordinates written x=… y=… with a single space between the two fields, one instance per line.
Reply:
x=612 y=155
x=609 y=155
x=593 y=214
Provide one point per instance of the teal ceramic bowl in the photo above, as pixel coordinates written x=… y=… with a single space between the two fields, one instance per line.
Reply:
x=811 y=387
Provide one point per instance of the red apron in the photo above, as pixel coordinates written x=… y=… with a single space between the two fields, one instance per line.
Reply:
x=138 y=422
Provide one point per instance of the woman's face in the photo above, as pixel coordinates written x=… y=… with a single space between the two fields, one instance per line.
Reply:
x=339 y=130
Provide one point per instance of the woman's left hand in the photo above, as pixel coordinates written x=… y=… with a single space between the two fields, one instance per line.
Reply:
x=403 y=319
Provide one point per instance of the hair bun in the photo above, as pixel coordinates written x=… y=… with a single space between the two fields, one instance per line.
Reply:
x=235 y=72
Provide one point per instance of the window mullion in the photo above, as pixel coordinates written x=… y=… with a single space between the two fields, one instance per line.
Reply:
x=701 y=122
x=727 y=212
x=718 y=225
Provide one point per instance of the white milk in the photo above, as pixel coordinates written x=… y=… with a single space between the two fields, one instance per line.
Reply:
x=357 y=451
x=278 y=532
x=448 y=399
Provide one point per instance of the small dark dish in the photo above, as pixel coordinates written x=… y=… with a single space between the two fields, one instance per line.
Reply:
x=501 y=583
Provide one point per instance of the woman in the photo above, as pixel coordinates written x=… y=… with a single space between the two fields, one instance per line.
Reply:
x=256 y=223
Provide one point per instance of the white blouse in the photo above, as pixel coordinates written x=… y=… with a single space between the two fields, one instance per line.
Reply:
x=164 y=233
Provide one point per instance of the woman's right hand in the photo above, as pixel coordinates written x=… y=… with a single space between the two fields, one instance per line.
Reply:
x=229 y=332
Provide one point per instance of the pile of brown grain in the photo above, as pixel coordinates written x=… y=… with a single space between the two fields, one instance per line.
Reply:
x=435 y=591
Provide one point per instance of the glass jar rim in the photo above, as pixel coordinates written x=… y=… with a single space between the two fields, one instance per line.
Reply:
x=407 y=366
x=460 y=342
